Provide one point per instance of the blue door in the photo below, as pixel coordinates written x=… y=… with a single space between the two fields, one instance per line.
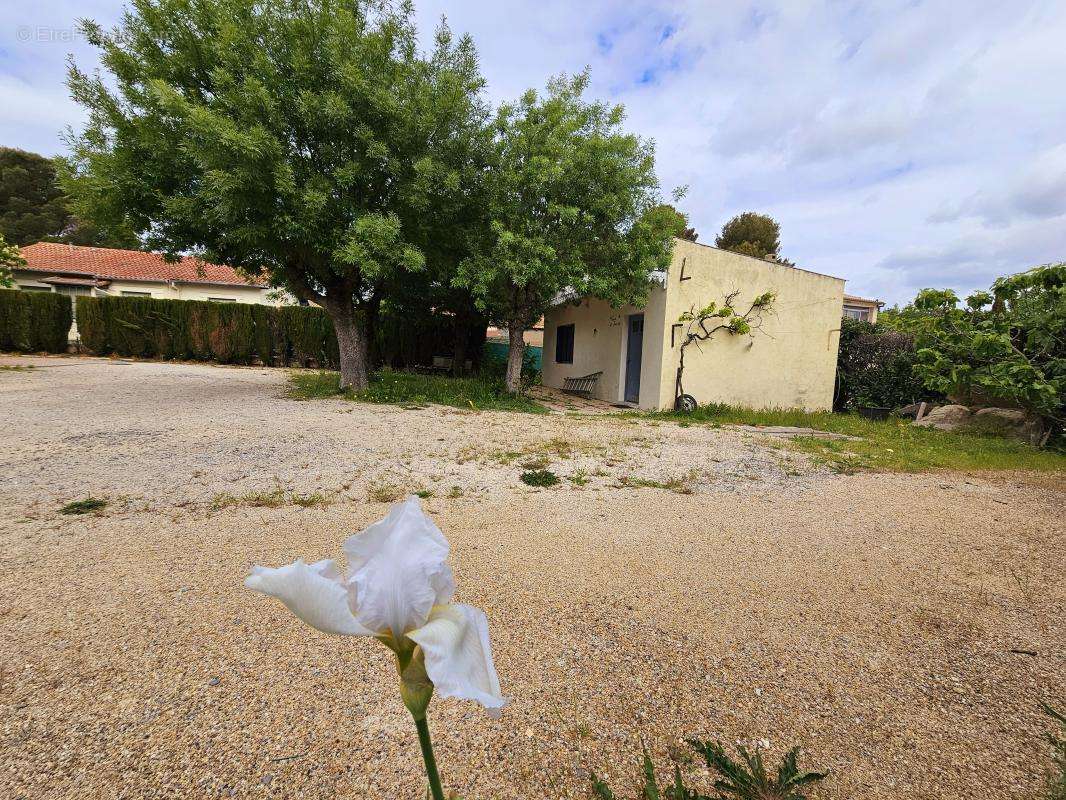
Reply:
x=634 y=345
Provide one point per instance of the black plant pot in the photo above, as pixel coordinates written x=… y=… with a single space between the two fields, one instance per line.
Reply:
x=874 y=412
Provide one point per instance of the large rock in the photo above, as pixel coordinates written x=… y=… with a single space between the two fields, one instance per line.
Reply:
x=1010 y=422
x=947 y=418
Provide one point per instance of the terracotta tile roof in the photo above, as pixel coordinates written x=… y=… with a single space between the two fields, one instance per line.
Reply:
x=128 y=265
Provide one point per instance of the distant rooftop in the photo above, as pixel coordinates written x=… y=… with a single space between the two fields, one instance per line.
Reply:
x=129 y=265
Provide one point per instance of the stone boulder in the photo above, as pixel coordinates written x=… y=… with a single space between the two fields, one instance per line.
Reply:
x=947 y=418
x=1011 y=422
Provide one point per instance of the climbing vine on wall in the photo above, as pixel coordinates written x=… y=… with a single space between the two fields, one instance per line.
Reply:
x=702 y=324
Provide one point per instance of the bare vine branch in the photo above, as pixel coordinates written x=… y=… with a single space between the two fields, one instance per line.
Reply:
x=702 y=326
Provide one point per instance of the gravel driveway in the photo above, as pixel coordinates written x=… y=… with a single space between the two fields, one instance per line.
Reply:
x=903 y=629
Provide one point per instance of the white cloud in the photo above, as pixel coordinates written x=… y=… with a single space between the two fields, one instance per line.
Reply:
x=901 y=144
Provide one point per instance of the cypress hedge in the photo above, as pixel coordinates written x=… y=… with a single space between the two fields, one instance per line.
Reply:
x=195 y=330
x=32 y=322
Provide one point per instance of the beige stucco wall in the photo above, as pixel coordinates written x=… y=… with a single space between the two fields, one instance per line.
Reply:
x=600 y=338
x=165 y=291
x=789 y=363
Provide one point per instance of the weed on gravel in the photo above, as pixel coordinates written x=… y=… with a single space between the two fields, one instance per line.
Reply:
x=540 y=477
x=272 y=499
x=747 y=779
x=87 y=506
x=384 y=492
x=682 y=484
x=1057 y=780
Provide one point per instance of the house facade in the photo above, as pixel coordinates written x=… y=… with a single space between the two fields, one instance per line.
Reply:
x=790 y=362
x=861 y=308
x=105 y=272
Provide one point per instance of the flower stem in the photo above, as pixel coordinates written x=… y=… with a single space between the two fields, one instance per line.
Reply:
x=429 y=758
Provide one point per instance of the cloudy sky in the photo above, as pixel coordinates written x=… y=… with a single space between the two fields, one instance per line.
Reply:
x=899 y=144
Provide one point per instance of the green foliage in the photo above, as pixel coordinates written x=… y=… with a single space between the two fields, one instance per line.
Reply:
x=878 y=369
x=540 y=477
x=301 y=141
x=970 y=355
x=750 y=780
x=10 y=259
x=746 y=780
x=751 y=234
x=32 y=322
x=573 y=204
x=31 y=203
x=1057 y=782
x=33 y=207
x=229 y=333
x=86 y=506
x=411 y=389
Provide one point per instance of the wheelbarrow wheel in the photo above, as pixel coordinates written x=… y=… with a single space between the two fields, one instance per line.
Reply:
x=685 y=403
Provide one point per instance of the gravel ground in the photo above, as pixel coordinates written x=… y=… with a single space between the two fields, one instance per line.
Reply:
x=870 y=618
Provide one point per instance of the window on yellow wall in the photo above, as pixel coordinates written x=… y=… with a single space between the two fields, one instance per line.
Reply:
x=223 y=299
x=136 y=294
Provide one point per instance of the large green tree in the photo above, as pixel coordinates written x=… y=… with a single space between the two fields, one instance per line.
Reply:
x=287 y=138
x=33 y=207
x=574 y=206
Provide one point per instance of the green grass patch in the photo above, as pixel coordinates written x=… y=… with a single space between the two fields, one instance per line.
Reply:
x=413 y=390
x=892 y=445
x=540 y=477
x=87 y=506
x=16 y=367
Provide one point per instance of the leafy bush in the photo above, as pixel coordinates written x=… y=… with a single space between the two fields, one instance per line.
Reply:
x=230 y=333
x=879 y=370
x=32 y=322
x=746 y=780
x=969 y=354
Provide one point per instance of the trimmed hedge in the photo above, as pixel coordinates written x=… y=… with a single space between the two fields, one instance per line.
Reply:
x=32 y=322
x=196 y=330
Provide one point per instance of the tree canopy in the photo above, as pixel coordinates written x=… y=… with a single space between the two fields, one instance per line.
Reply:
x=573 y=206
x=33 y=207
x=751 y=234
x=291 y=140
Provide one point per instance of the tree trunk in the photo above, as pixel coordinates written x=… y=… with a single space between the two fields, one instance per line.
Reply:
x=373 y=314
x=462 y=334
x=515 y=353
x=352 y=345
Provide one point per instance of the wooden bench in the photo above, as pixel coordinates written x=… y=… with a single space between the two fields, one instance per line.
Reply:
x=585 y=385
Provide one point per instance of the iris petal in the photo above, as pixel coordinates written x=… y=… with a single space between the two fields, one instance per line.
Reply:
x=315 y=593
x=458 y=656
x=398 y=571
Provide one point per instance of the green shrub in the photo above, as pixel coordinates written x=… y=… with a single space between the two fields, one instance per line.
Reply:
x=879 y=369
x=267 y=333
x=32 y=322
x=230 y=333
